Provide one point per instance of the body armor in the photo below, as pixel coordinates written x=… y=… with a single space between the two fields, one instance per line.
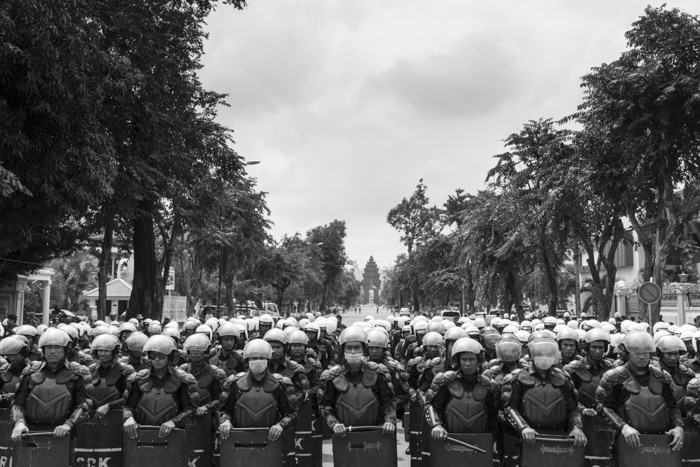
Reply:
x=256 y=407
x=157 y=406
x=231 y=365
x=10 y=382
x=50 y=401
x=204 y=378
x=646 y=412
x=104 y=389
x=466 y=412
x=357 y=403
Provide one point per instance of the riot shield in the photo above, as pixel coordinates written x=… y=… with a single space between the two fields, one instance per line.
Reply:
x=40 y=449
x=415 y=437
x=690 y=452
x=406 y=423
x=510 y=444
x=653 y=452
x=450 y=452
x=367 y=446
x=149 y=449
x=552 y=451
x=99 y=443
x=6 y=427
x=308 y=438
x=600 y=437
x=247 y=447
x=199 y=441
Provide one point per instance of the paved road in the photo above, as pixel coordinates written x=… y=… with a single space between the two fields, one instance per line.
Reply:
x=404 y=459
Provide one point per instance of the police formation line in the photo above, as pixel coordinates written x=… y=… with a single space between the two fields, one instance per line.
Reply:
x=252 y=391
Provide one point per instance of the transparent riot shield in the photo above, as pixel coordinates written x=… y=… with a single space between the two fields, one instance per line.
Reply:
x=149 y=449
x=200 y=449
x=365 y=446
x=248 y=447
x=40 y=449
x=474 y=450
x=99 y=442
x=552 y=451
x=654 y=452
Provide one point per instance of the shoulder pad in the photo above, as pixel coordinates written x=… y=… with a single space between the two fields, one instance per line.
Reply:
x=489 y=384
x=694 y=384
x=524 y=377
x=335 y=370
x=573 y=365
x=123 y=368
x=141 y=375
x=384 y=370
x=33 y=367
x=217 y=372
x=232 y=379
x=686 y=371
x=184 y=377
x=511 y=376
x=558 y=377
x=616 y=375
x=273 y=381
x=663 y=375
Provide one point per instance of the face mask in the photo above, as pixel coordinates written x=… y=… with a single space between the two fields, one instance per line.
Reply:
x=353 y=358
x=544 y=363
x=257 y=366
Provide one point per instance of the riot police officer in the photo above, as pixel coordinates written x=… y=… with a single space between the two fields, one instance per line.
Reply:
x=228 y=358
x=159 y=395
x=637 y=397
x=280 y=364
x=567 y=339
x=132 y=351
x=210 y=379
x=51 y=391
x=108 y=375
x=356 y=392
x=526 y=392
x=669 y=350
x=463 y=400
x=14 y=349
x=257 y=398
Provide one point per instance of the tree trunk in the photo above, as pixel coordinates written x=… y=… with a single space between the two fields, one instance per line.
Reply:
x=143 y=294
x=105 y=269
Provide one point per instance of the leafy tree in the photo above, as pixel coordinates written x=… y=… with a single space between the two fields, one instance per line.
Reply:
x=536 y=216
x=417 y=222
x=56 y=156
x=73 y=276
x=647 y=105
x=330 y=240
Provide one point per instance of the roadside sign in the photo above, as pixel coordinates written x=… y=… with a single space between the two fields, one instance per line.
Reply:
x=170 y=284
x=649 y=293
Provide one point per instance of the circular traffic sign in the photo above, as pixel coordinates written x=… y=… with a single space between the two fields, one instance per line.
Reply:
x=649 y=293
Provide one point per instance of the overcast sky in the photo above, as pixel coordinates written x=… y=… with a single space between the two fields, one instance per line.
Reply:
x=348 y=103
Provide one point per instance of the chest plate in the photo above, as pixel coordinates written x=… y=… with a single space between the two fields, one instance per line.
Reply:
x=256 y=408
x=647 y=412
x=49 y=403
x=544 y=407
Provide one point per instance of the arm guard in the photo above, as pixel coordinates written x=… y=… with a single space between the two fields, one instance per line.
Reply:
x=515 y=419
x=287 y=422
x=329 y=416
x=180 y=419
x=77 y=416
x=611 y=417
x=431 y=417
x=17 y=414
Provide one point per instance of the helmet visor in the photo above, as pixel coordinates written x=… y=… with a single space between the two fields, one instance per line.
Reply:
x=507 y=351
x=544 y=354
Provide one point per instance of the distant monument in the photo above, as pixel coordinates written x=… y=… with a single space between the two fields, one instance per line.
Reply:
x=371 y=284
